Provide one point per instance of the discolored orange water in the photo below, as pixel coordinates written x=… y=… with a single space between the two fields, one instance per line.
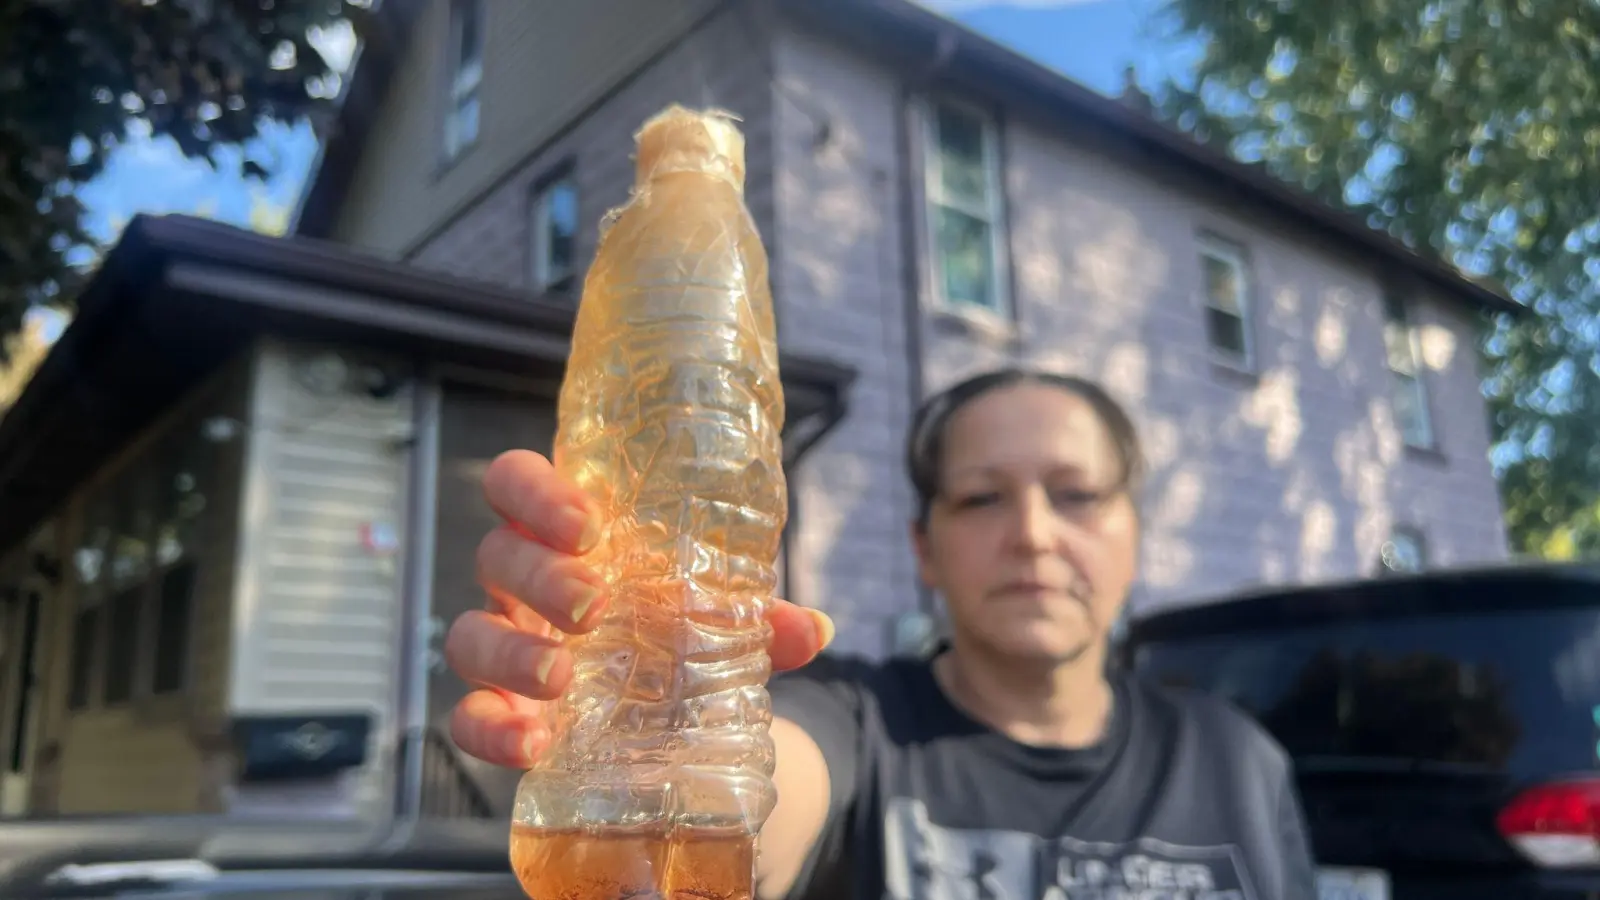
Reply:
x=573 y=865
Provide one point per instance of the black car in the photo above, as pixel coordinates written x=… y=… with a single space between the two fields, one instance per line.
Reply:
x=203 y=858
x=1445 y=727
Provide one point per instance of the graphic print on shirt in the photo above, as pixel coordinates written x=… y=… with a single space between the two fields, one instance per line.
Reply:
x=924 y=861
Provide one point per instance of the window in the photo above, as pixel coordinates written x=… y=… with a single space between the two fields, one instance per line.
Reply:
x=137 y=570
x=1490 y=688
x=175 y=603
x=85 y=628
x=1406 y=550
x=1227 y=301
x=964 y=222
x=553 y=229
x=1410 y=393
x=122 y=648
x=462 y=103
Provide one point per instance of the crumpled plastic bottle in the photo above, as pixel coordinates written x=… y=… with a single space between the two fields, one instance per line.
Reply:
x=670 y=416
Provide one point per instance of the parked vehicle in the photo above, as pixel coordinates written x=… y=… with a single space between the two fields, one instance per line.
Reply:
x=205 y=858
x=1445 y=727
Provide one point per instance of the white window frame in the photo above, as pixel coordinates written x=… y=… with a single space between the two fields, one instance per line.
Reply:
x=992 y=210
x=542 y=271
x=1397 y=325
x=463 y=87
x=1232 y=254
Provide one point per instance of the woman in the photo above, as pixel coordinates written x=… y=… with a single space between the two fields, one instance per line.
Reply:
x=1015 y=763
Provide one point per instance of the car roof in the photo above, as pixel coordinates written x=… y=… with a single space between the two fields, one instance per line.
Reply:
x=1439 y=592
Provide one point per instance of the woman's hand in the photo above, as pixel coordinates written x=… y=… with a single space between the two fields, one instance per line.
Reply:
x=532 y=568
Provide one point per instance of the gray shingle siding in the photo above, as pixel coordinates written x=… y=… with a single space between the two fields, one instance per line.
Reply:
x=1294 y=471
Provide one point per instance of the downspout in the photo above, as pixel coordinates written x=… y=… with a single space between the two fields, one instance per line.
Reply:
x=416 y=611
x=911 y=230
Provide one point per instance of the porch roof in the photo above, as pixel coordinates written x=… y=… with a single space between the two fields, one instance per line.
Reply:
x=178 y=297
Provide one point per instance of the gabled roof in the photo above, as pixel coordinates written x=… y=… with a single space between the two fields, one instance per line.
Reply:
x=178 y=297
x=903 y=30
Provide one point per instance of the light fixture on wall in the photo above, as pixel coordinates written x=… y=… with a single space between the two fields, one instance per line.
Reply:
x=221 y=429
x=323 y=374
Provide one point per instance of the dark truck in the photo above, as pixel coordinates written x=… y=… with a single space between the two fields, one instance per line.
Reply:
x=1445 y=727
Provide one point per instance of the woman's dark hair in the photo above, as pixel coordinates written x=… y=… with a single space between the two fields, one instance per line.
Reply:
x=925 y=444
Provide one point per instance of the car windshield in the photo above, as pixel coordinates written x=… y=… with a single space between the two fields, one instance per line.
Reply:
x=1512 y=691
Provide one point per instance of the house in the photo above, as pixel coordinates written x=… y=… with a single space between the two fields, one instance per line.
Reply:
x=240 y=494
x=936 y=204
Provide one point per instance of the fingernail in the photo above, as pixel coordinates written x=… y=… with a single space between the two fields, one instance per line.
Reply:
x=519 y=747
x=547 y=661
x=583 y=595
x=580 y=528
x=824 y=627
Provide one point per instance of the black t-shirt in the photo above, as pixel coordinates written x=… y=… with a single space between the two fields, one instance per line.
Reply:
x=1185 y=798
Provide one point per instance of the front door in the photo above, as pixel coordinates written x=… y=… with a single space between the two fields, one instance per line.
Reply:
x=476 y=425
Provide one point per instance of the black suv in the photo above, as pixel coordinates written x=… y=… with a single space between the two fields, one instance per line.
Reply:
x=1445 y=728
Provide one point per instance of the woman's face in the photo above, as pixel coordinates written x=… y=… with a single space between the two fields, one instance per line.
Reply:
x=1032 y=541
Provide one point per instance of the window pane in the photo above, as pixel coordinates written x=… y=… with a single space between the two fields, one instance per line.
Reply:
x=89 y=559
x=461 y=128
x=122 y=651
x=1394 y=310
x=561 y=221
x=1399 y=347
x=1226 y=332
x=1224 y=286
x=85 y=643
x=1411 y=411
x=966 y=257
x=466 y=82
x=172 y=629
x=962 y=171
x=469 y=33
x=133 y=527
x=1448 y=689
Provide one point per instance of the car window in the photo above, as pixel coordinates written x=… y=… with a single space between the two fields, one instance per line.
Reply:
x=1508 y=691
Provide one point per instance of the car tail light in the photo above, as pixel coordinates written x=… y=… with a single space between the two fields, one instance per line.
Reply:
x=1556 y=824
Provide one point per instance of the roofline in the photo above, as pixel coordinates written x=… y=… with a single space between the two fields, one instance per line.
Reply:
x=239 y=284
x=984 y=60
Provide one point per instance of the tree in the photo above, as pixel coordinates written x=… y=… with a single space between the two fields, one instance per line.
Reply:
x=1471 y=127
x=73 y=75
x=25 y=350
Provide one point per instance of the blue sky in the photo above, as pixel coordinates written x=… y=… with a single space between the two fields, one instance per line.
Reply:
x=1091 y=41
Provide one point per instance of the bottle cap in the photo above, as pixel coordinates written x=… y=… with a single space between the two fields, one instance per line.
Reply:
x=683 y=140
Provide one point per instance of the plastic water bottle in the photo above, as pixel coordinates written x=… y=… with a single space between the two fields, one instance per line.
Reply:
x=670 y=415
